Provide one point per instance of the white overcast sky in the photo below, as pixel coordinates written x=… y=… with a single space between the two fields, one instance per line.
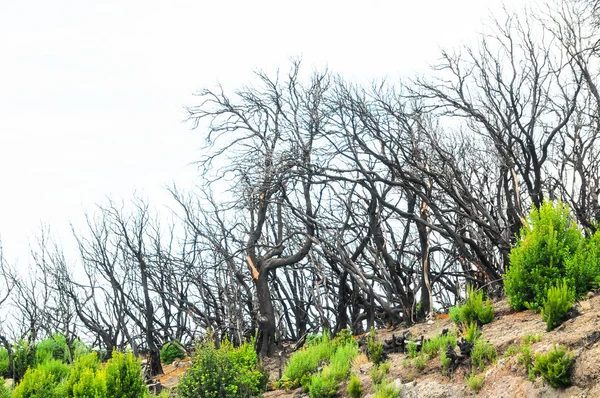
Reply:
x=92 y=92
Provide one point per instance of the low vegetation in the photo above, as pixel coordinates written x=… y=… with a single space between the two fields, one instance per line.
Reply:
x=555 y=366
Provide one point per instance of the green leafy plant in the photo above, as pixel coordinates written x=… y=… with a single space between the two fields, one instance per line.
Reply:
x=483 y=353
x=374 y=348
x=85 y=378
x=532 y=338
x=378 y=372
x=471 y=332
x=583 y=267
x=475 y=382
x=525 y=358
x=303 y=363
x=54 y=347
x=386 y=390
x=124 y=376
x=539 y=258
x=419 y=362
x=557 y=304
x=432 y=347
x=39 y=383
x=412 y=349
x=4 y=363
x=473 y=310
x=445 y=363
x=511 y=351
x=23 y=358
x=326 y=383
x=224 y=372
x=555 y=366
x=170 y=352
x=355 y=389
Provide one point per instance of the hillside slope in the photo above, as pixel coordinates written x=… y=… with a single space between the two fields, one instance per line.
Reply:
x=580 y=334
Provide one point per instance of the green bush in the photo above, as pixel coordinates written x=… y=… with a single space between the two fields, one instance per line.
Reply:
x=378 y=372
x=4 y=363
x=355 y=390
x=474 y=310
x=539 y=259
x=558 y=302
x=555 y=366
x=583 y=267
x=471 y=332
x=475 y=382
x=412 y=349
x=323 y=385
x=86 y=376
x=386 y=390
x=326 y=383
x=511 y=351
x=37 y=383
x=374 y=348
x=525 y=358
x=124 y=376
x=445 y=363
x=483 y=352
x=170 y=352
x=532 y=338
x=224 y=372
x=432 y=347
x=90 y=384
x=4 y=391
x=54 y=347
x=419 y=362
x=23 y=358
x=305 y=362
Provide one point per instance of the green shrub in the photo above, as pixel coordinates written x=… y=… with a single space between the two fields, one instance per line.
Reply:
x=124 y=376
x=170 y=352
x=555 y=366
x=374 y=348
x=386 y=390
x=323 y=385
x=558 y=302
x=355 y=390
x=532 y=338
x=412 y=349
x=419 y=362
x=445 y=363
x=539 y=259
x=5 y=392
x=90 y=384
x=583 y=267
x=4 y=363
x=483 y=352
x=525 y=358
x=305 y=362
x=474 y=310
x=223 y=372
x=455 y=314
x=511 y=351
x=23 y=358
x=475 y=382
x=37 y=383
x=378 y=372
x=82 y=370
x=432 y=347
x=326 y=383
x=54 y=347
x=471 y=332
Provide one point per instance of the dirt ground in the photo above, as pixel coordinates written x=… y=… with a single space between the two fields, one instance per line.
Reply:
x=581 y=334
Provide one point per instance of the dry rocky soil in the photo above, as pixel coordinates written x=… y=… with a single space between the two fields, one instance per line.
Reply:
x=580 y=334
